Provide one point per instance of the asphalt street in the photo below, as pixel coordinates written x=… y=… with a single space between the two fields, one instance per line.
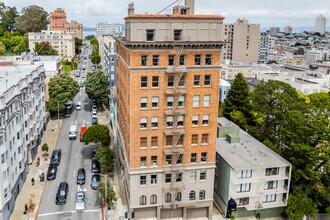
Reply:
x=75 y=155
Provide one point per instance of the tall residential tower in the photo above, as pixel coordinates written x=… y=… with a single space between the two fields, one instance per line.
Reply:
x=58 y=20
x=320 y=24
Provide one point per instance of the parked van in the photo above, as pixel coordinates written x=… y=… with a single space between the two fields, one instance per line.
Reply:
x=73 y=132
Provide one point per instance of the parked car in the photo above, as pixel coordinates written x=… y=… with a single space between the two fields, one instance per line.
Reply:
x=51 y=173
x=80 y=201
x=82 y=131
x=62 y=193
x=94 y=121
x=56 y=157
x=95 y=182
x=78 y=105
x=94 y=114
x=81 y=176
x=95 y=166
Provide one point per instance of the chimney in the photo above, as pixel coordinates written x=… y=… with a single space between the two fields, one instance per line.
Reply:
x=130 y=8
x=191 y=5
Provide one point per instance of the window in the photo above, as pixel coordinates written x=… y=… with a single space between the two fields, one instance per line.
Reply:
x=196 y=101
x=193 y=158
x=144 y=60
x=168 y=178
x=1 y=139
x=204 y=157
x=181 y=101
x=155 y=81
x=155 y=60
x=197 y=59
x=194 y=139
x=150 y=35
x=143 y=122
x=143 y=161
x=143 y=180
x=208 y=59
x=178 y=177
x=144 y=81
x=169 y=140
x=143 y=102
x=244 y=174
x=193 y=175
x=206 y=102
x=153 y=160
x=177 y=34
x=168 y=197
x=195 y=119
x=180 y=141
x=202 y=195
x=206 y=119
x=154 y=122
x=153 y=199
x=207 y=80
x=169 y=121
x=168 y=159
x=171 y=60
x=271 y=184
x=242 y=201
x=153 y=179
x=170 y=81
x=2 y=158
x=154 y=101
x=170 y=101
x=192 y=195
x=272 y=171
x=182 y=60
x=202 y=175
x=182 y=81
x=180 y=121
x=197 y=80
x=154 y=141
x=178 y=196
x=270 y=198
x=205 y=138
x=143 y=142
x=143 y=200
x=244 y=187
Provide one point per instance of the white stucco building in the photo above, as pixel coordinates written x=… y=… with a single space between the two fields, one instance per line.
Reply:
x=108 y=29
x=320 y=24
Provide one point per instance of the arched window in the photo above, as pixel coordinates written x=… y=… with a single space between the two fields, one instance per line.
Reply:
x=178 y=196
x=192 y=195
x=202 y=195
x=153 y=199
x=143 y=200
x=168 y=197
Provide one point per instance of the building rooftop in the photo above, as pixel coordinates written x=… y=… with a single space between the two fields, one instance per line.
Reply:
x=174 y=16
x=248 y=153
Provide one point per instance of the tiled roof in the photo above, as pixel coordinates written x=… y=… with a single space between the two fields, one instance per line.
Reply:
x=175 y=16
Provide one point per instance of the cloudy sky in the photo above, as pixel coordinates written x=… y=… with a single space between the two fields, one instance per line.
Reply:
x=297 y=13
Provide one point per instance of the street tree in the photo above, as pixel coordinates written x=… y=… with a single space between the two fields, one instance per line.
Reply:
x=94 y=42
x=96 y=86
x=97 y=134
x=44 y=48
x=2 y=48
x=106 y=157
x=61 y=89
x=33 y=19
x=96 y=59
x=111 y=194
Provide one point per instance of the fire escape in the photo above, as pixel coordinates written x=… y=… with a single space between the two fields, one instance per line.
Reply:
x=176 y=131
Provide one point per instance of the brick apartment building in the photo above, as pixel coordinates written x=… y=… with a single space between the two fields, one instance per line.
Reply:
x=167 y=99
x=58 y=20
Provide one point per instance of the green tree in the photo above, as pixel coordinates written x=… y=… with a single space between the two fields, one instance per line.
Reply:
x=96 y=86
x=96 y=59
x=33 y=19
x=106 y=157
x=62 y=89
x=7 y=15
x=111 y=194
x=97 y=134
x=94 y=42
x=2 y=48
x=21 y=46
x=44 y=48
x=89 y=37
x=237 y=101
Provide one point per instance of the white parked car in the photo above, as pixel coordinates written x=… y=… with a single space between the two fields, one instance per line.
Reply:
x=78 y=105
x=94 y=115
x=80 y=201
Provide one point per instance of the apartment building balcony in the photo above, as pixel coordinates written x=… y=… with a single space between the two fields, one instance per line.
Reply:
x=175 y=131
x=171 y=150
x=177 y=111
x=178 y=69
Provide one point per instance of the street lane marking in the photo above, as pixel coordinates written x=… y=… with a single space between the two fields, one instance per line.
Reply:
x=57 y=213
x=74 y=173
x=76 y=153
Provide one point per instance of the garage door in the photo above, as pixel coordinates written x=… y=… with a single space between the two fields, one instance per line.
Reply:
x=145 y=213
x=197 y=213
x=171 y=213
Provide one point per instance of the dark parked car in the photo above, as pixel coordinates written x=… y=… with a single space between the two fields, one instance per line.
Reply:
x=68 y=109
x=95 y=166
x=95 y=181
x=56 y=157
x=52 y=170
x=81 y=176
x=62 y=193
x=94 y=121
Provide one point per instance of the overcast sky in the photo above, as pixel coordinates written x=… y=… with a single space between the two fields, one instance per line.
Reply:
x=297 y=13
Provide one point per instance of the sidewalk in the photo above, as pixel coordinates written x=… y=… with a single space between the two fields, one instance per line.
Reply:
x=50 y=137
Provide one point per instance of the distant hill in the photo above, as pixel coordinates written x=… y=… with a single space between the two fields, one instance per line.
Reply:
x=89 y=29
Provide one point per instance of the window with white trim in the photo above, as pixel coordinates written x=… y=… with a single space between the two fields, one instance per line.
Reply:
x=143 y=102
x=204 y=157
x=202 y=175
x=143 y=200
x=244 y=187
x=192 y=195
x=197 y=80
x=143 y=161
x=271 y=184
x=244 y=174
x=180 y=121
x=153 y=199
x=195 y=120
x=196 y=101
x=181 y=101
x=193 y=158
x=170 y=101
x=207 y=99
x=169 y=121
x=143 y=180
x=154 y=101
x=269 y=198
x=168 y=197
x=153 y=160
x=153 y=179
x=193 y=174
x=143 y=123
x=206 y=119
x=154 y=122
x=202 y=195
x=207 y=80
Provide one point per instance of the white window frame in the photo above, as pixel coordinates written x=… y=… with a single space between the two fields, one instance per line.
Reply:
x=196 y=101
x=269 y=198
x=207 y=101
x=154 y=100
x=144 y=121
x=206 y=120
x=193 y=175
x=154 y=120
x=143 y=182
x=170 y=99
x=194 y=119
x=169 y=119
x=153 y=179
x=181 y=101
x=143 y=163
x=153 y=162
x=242 y=174
x=243 y=187
x=144 y=100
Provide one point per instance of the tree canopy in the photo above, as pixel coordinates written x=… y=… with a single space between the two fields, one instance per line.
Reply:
x=33 y=19
x=7 y=15
x=44 y=48
x=97 y=134
x=111 y=194
x=106 y=157
x=96 y=86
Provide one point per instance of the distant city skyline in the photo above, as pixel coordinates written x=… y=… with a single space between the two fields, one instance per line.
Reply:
x=296 y=13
